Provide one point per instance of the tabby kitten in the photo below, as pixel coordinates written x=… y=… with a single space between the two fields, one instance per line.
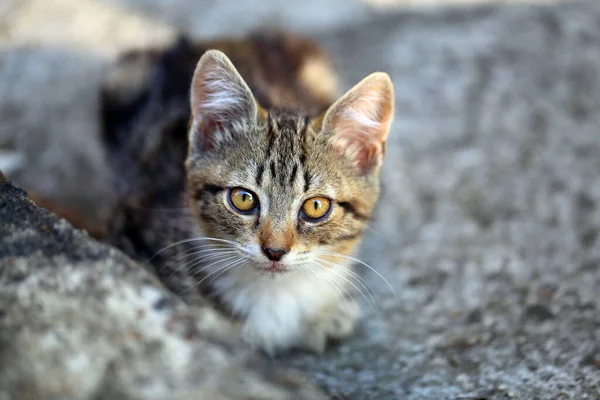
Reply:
x=282 y=200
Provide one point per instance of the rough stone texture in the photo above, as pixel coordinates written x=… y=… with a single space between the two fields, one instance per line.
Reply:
x=489 y=220
x=80 y=320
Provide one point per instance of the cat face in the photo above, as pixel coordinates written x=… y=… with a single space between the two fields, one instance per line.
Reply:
x=278 y=191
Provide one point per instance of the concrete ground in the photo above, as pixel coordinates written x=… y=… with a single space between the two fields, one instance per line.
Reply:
x=488 y=226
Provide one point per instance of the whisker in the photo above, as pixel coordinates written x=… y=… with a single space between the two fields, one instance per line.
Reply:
x=199 y=260
x=380 y=235
x=373 y=305
x=235 y=264
x=222 y=268
x=357 y=278
x=159 y=209
x=191 y=264
x=201 y=257
x=360 y=262
x=215 y=250
x=343 y=294
x=205 y=267
x=349 y=272
x=215 y=261
x=194 y=239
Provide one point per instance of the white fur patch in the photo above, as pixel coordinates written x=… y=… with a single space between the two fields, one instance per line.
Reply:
x=278 y=308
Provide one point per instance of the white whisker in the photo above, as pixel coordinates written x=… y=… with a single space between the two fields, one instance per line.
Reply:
x=211 y=251
x=360 y=262
x=220 y=269
x=178 y=267
x=205 y=267
x=343 y=292
x=351 y=274
x=214 y=262
x=380 y=235
x=193 y=263
x=372 y=304
x=231 y=265
x=194 y=239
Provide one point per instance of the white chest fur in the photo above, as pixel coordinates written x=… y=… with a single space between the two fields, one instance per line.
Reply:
x=279 y=309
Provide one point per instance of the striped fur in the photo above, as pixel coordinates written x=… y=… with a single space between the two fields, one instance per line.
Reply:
x=259 y=113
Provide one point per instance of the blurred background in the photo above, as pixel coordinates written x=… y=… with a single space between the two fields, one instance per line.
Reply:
x=54 y=53
x=489 y=221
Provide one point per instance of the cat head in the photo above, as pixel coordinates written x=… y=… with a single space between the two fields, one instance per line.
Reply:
x=279 y=188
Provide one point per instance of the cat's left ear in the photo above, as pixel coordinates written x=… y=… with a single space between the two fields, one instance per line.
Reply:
x=221 y=102
x=358 y=123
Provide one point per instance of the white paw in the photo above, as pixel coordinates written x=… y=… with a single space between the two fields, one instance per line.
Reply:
x=335 y=323
x=270 y=335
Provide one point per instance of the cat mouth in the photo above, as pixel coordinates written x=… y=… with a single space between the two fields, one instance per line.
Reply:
x=275 y=267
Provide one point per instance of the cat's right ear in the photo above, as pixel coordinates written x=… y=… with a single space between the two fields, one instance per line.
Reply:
x=221 y=102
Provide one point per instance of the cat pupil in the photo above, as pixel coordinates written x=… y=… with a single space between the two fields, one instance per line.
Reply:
x=244 y=196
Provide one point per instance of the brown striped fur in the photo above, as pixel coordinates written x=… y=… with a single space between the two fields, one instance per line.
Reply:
x=284 y=138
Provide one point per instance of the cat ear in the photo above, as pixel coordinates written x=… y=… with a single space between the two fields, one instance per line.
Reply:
x=221 y=102
x=359 y=121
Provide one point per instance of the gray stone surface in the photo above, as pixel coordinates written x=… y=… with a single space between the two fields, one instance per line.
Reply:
x=80 y=320
x=488 y=225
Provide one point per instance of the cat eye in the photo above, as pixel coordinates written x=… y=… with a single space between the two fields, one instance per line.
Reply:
x=316 y=208
x=243 y=200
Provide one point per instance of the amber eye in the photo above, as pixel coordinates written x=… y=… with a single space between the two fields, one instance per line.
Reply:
x=316 y=208
x=243 y=200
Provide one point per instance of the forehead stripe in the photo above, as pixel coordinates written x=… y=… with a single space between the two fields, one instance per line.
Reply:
x=294 y=171
x=273 y=169
x=259 y=174
x=207 y=189
x=270 y=133
x=306 y=180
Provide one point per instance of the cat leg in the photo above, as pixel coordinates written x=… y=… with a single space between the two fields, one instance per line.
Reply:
x=272 y=329
x=336 y=321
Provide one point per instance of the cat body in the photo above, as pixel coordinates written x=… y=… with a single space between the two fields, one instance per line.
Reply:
x=270 y=181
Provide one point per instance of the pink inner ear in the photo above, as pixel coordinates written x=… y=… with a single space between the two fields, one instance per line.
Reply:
x=219 y=99
x=360 y=122
x=365 y=153
x=370 y=156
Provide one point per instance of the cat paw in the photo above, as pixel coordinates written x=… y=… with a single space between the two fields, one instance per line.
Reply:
x=259 y=341
x=337 y=323
x=270 y=335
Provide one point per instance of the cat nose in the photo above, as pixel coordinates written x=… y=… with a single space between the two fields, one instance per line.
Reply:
x=274 y=254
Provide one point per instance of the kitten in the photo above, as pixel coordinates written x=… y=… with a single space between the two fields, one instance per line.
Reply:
x=278 y=183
